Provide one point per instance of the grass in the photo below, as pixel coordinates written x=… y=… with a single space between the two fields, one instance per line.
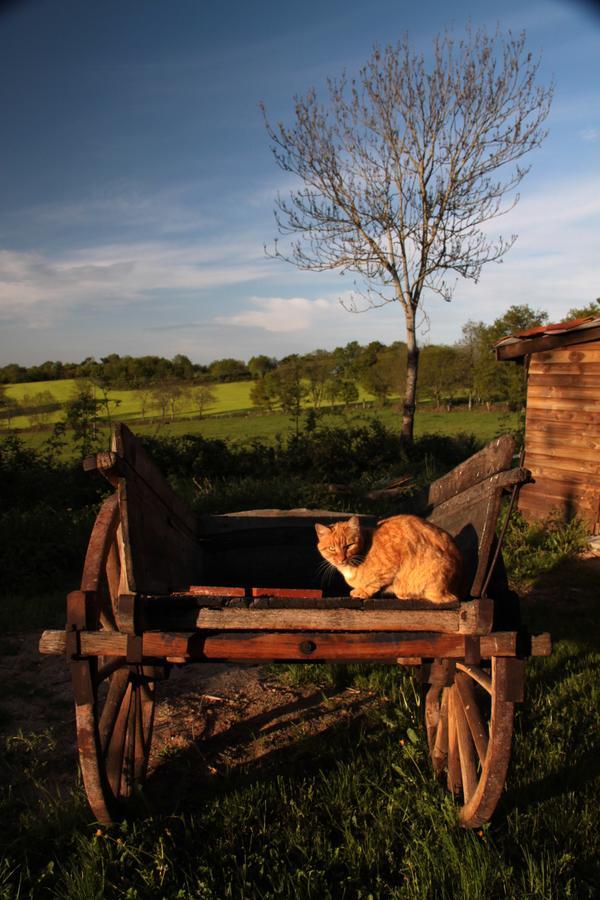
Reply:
x=353 y=813
x=243 y=427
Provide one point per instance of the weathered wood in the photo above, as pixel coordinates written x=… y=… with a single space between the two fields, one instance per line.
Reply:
x=443 y=621
x=585 y=353
x=302 y=614
x=556 y=380
x=564 y=417
x=472 y=712
x=454 y=779
x=496 y=457
x=560 y=403
x=466 y=748
x=562 y=391
x=230 y=646
x=479 y=675
x=133 y=458
x=562 y=464
x=480 y=806
x=528 y=346
x=586 y=450
x=586 y=369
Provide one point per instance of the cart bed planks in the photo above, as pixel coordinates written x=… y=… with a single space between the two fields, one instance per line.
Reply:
x=160 y=586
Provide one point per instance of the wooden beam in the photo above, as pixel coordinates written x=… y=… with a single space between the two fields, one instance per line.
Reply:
x=282 y=646
x=526 y=346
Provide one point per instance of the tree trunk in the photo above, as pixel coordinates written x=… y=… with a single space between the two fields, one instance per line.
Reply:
x=412 y=368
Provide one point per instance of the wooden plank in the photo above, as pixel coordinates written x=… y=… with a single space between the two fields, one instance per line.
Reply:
x=527 y=346
x=314 y=646
x=206 y=591
x=561 y=380
x=585 y=404
x=541 y=644
x=582 y=482
x=563 y=416
x=550 y=449
x=588 y=352
x=557 y=428
x=291 y=593
x=560 y=463
x=496 y=457
x=564 y=490
x=472 y=617
x=563 y=392
x=564 y=368
x=131 y=452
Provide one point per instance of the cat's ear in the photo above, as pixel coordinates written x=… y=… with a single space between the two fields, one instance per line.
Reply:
x=322 y=530
x=354 y=523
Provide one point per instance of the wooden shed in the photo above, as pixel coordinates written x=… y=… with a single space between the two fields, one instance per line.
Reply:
x=562 y=426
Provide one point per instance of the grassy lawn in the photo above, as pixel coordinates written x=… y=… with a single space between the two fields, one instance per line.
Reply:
x=267 y=426
x=352 y=813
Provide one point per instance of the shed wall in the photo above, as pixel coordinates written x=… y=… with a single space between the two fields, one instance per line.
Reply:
x=562 y=434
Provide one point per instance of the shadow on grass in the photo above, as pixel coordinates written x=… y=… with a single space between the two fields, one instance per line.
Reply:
x=184 y=782
x=556 y=729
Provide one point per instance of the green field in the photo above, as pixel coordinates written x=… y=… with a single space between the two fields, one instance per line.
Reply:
x=232 y=416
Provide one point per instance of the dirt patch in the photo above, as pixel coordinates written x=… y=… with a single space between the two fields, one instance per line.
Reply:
x=209 y=720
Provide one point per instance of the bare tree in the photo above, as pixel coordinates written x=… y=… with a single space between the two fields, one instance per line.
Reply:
x=404 y=166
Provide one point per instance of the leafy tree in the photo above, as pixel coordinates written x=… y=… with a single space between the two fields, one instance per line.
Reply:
x=317 y=369
x=167 y=397
x=493 y=380
x=203 y=397
x=228 y=370
x=404 y=166
x=8 y=406
x=442 y=372
x=258 y=366
x=580 y=312
x=264 y=392
x=40 y=406
x=82 y=417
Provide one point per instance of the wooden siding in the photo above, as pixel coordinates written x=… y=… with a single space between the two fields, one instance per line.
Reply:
x=562 y=434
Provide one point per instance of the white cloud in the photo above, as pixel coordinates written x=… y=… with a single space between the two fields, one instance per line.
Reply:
x=590 y=135
x=38 y=290
x=281 y=314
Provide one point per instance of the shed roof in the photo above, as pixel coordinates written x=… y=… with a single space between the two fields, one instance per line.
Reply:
x=547 y=337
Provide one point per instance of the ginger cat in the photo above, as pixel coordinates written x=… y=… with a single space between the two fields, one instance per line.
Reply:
x=404 y=555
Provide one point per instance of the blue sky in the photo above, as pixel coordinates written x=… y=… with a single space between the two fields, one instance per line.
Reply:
x=137 y=184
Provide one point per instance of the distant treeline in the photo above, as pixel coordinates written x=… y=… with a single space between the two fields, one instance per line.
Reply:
x=466 y=368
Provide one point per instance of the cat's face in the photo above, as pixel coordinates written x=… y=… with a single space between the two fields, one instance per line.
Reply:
x=341 y=544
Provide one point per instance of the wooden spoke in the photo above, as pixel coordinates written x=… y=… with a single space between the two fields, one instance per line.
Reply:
x=439 y=753
x=128 y=768
x=454 y=772
x=115 y=751
x=115 y=700
x=466 y=749
x=470 y=725
x=473 y=714
x=112 y=706
x=478 y=675
x=109 y=665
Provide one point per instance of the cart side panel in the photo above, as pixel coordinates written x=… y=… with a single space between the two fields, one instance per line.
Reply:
x=159 y=547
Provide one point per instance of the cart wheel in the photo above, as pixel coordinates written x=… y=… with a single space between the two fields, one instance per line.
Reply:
x=114 y=701
x=469 y=731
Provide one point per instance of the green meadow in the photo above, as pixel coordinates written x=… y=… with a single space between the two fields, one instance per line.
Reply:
x=232 y=416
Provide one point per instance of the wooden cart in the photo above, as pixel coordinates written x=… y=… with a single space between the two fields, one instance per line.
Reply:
x=144 y=604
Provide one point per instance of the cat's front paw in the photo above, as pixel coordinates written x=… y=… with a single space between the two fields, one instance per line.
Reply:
x=357 y=595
